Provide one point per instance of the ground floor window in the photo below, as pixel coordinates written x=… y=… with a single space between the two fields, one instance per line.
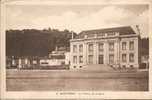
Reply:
x=131 y=57
x=75 y=59
x=90 y=59
x=80 y=59
x=124 y=59
x=111 y=58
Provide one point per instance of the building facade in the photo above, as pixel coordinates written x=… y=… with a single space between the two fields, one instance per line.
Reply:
x=115 y=47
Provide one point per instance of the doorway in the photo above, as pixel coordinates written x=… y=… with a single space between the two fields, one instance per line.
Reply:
x=101 y=59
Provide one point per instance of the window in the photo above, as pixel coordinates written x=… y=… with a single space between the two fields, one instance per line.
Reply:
x=123 y=45
x=74 y=48
x=111 y=58
x=81 y=48
x=100 y=47
x=111 y=46
x=90 y=35
x=101 y=34
x=131 y=57
x=111 y=34
x=44 y=62
x=75 y=59
x=90 y=59
x=80 y=59
x=101 y=59
x=131 y=45
x=90 y=47
x=124 y=58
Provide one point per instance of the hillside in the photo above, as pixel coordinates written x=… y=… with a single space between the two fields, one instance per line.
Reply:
x=32 y=42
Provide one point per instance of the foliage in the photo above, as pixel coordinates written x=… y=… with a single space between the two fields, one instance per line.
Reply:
x=144 y=46
x=32 y=42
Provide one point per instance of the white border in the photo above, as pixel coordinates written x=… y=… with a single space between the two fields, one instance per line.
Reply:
x=52 y=94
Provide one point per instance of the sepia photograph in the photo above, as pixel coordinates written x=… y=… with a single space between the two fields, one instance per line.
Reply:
x=82 y=47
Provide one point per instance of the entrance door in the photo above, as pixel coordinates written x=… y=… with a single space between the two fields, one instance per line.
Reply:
x=100 y=59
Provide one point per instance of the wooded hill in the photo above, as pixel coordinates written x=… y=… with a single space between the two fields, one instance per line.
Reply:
x=32 y=42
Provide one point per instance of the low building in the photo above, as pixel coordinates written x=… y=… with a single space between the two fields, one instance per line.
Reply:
x=115 y=47
x=59 y=57
x=52 y=62
x=22 y=62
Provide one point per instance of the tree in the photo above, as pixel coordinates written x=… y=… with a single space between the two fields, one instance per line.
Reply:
x=32 y=42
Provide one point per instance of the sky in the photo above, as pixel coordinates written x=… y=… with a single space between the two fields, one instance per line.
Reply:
x=77 y=18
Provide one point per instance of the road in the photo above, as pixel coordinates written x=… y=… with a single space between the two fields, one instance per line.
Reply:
x=46 y=80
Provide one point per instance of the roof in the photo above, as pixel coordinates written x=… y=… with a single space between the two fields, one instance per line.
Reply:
x=125 y=30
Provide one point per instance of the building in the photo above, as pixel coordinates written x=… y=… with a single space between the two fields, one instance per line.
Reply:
x=21 y=62
x=144 y=62
x=59 y=57
x=52 y=62
x=114 y=47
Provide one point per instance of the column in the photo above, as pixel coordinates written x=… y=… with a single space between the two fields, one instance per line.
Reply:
x=13 y=62
x=118 y=52
x=19 y=63
x=95 y=53
x=106 y=53
x=136 y=58
x=84 y=53
x=71 y=55
x=78 y=54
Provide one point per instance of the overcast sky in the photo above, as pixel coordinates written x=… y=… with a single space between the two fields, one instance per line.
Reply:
x=77 y=17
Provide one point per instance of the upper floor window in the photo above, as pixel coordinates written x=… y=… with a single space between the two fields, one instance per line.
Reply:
x=101 y=47
x=81 y=48
x=123 y=45
x=111 y=46
x=111 y=34
x=131 y=45
x=131 y=57
x=101 y=34
x=90 y=59
x=90 y=35
x=74 y=48
x=90 y=47
x=124 y=59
